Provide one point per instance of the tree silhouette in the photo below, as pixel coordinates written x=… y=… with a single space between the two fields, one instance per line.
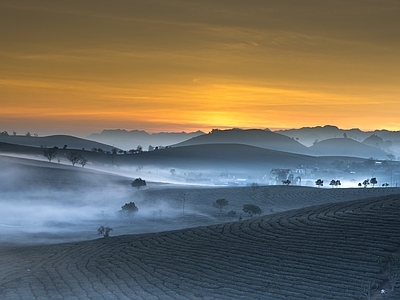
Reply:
x=104 y=231
x=373 y=181
x=252 y=209
x=319 y=182
x=286 y=182
x=232 y=214
x=365 y=183
x=220 y=204
x=332 y=183
x=129 y=209
x=138 y=183
x=83 y=161
x=74 y=157
x=50 y=153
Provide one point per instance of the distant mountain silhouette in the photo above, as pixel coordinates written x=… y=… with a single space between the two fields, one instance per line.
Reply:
x=346 y=147
x=253 y=137
x=53 y=141
x=131 y=139
x=388 y=141
x=222 y=156
x=308 y=135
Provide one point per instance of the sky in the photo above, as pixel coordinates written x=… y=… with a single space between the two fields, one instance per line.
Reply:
x=79 y=67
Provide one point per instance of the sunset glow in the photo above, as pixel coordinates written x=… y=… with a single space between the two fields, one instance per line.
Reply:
x=83 y=66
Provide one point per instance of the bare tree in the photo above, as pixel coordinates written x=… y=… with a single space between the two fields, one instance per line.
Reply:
x=184 y=196
x=83 y=161
x=74 y=157
x=104 y=231
x=50 y=153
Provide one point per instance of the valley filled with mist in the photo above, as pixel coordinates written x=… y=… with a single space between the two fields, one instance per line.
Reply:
x=60 y=191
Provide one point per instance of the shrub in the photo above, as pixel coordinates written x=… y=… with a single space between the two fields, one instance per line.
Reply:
x=138 y=183
x=252 y=209
x=104 y=231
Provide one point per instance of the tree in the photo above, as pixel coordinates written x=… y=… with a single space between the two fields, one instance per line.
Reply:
x=104 y=231
x=286 y=182
x=220 y=204
x=373 y=181
x=252 y=209
x=335 y=183
x=129 y=209
x=365 y=183
x=184 y=196
x=50 y=153
x=319 y=182
x=232 y=214
x=385 y=184
x=138 y=183
x=83 y=161
x=139 y=149
x=391 y=157
x=74 y=157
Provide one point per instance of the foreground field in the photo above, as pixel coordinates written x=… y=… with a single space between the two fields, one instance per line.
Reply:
x=327 y=251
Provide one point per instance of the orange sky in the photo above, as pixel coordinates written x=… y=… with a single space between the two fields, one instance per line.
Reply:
x=181 y=65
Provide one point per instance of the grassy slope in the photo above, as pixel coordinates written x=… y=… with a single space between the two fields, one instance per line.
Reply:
x=321 y=252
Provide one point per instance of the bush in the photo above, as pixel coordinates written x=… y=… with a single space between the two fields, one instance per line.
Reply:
x=252 y=209
x=138 y=183
x=105 y=231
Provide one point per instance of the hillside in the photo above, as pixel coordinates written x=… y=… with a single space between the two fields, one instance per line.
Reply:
x=131 y=139
x=346 y=147
x=249 y=160
x=54 y=141
x=252 y=137
x=329 y=251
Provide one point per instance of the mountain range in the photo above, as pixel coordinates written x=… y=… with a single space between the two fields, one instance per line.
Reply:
x=292 y=140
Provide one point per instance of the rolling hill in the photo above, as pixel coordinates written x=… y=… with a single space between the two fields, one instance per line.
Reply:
x=252 y=137
x=346 y=147
x=131 y=139
x=53 y=141
x=330 y=251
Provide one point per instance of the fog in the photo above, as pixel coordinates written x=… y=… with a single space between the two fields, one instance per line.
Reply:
x=44 y=202
x=40 y=204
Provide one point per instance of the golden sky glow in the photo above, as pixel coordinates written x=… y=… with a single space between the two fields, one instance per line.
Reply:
x=83 y=66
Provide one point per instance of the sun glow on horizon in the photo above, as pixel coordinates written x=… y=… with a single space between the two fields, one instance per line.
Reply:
x=144 y=66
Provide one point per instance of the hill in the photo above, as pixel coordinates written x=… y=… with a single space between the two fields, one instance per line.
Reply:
x=53 y=141
x=346 y=147
x=131 y=139
x=252 y=137
x=388 y=141
x=329 y=251
x=227 y=155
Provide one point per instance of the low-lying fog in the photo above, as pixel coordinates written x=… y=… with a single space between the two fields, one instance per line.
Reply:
x=54 y=216
x=44 y=204
x=47 y=202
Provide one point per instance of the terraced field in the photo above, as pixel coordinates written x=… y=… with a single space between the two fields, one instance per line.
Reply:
x=326 y=251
